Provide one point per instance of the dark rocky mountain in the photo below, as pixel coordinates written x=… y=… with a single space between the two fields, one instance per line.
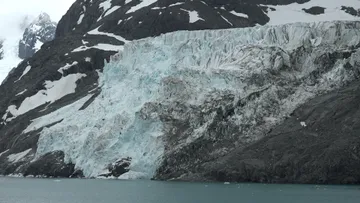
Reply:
x=41 y=30
x=94 y=30
x=351 y=10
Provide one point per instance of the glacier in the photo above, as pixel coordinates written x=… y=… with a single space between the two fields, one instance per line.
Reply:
x=253 y=77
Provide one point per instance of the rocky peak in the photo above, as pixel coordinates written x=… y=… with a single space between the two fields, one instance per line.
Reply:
x=41 y=30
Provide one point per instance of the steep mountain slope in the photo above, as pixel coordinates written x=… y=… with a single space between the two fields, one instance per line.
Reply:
x=192 y=97
x=41 y=30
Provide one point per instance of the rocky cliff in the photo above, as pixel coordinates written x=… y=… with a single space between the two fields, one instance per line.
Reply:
x=41 y=30
x=189 y=105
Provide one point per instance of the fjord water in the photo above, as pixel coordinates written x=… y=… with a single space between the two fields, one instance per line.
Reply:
x=18 y=190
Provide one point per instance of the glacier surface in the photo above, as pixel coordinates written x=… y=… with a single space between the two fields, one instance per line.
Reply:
x=262 y=73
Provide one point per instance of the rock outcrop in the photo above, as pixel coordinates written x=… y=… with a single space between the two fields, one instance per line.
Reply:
x=351 y=10
x=41 y=30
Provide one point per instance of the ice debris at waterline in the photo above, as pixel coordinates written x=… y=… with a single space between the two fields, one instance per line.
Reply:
x=253 y=77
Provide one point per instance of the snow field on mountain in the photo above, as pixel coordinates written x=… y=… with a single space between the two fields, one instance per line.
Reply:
x=54 y=90
x=293 y=12
x=191 y=68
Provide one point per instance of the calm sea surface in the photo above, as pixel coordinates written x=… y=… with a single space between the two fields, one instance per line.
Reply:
x=18 y=190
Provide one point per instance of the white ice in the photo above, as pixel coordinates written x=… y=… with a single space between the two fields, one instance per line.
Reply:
x=190 y=68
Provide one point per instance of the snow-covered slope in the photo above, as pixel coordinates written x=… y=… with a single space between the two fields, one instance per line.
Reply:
x=333 y=10
x=189 y=77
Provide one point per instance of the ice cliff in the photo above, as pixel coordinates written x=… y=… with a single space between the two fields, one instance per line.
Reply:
x=194 y=96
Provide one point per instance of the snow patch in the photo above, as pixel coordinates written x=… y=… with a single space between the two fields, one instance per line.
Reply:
x=105 y=5
x=239 y=14
x=226 y=19
x=176 y=4
x=67 y=66
x=26 y=70
x=293 y=12
x=81 y=17
x=38 y=45
x=57 y=116
x=193 y=16
x=3 y=152
x=303 y=124
x=142 y=4
x=17 y=157
x=105 y=47
x=22 y=92
x=55 y=90
x=97 y=32
x=113 y=9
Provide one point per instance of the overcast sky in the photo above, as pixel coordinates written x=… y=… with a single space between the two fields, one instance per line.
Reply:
x=55 y=8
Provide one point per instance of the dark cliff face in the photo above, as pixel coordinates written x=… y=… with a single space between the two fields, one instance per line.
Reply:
x=37 y=33
x=351 y=10
x=89 y=22
x=325 y=150
x=164 y=16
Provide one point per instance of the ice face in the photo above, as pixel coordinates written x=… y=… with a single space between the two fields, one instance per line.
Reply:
x=188 y=76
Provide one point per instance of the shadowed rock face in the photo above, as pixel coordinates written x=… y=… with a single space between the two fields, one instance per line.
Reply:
x=315 y=10
x=51 y=165
x=351 y=10
x=226 y=152
x=324 y=149
x=37 y=33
